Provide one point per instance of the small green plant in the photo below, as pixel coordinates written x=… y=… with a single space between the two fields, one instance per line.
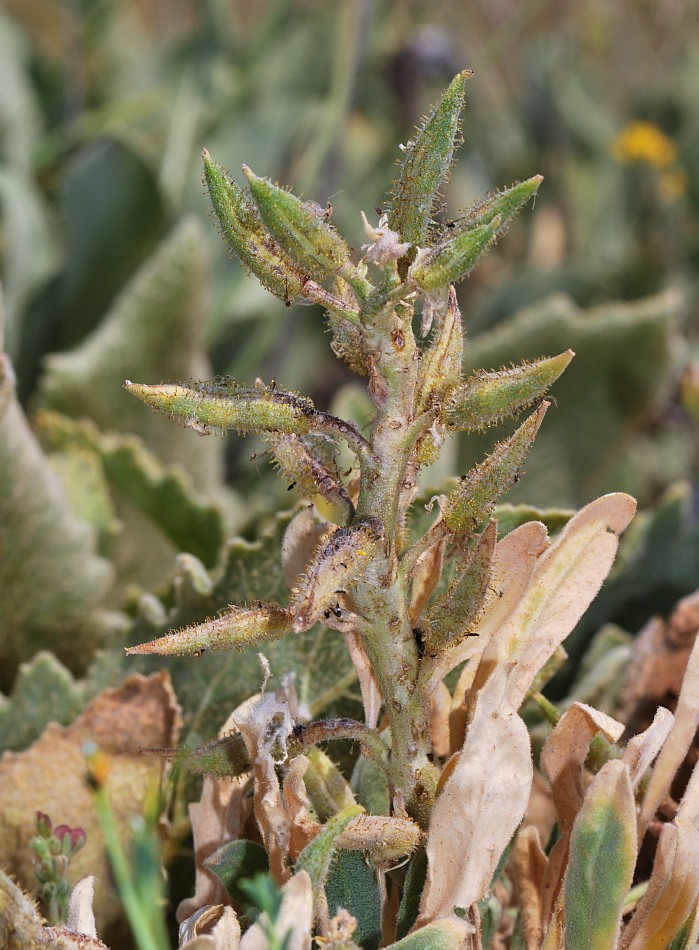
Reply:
x=446 y=774
x=54 y=849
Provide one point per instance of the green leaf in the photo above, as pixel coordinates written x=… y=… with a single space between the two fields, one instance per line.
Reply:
x=318 y=853
x=53 y=584
x=236 y=861
x=164 y=494
x=352 y=884
x=601 y=862
x=453 y=259
x=44 y=691
x=153 y=330
x=412 y=892
x=427 y=164
x=441 y=935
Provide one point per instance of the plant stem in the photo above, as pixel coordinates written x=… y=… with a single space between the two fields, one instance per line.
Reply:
x=382 y=600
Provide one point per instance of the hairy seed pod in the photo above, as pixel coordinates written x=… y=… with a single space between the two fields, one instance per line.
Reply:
x=486 y=398
x=236 y=628
x=304 y=233
x=426 y=166
x=472 y=501
x=222 y=404
x=335 y=566
x=311 y=471
x=452 y=616
x=453 y=259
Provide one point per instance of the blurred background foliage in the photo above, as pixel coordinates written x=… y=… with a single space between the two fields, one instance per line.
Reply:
x=115 y=525
x=111 y=268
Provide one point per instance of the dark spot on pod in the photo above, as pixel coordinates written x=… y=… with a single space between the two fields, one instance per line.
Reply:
x=398 y=339
x=419 y=642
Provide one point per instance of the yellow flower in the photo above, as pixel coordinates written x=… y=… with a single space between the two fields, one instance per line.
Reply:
x=644 y=142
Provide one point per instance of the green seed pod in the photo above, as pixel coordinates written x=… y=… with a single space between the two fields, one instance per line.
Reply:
x=386 y=839
x=248 y=238
x=238 y=627
x=453 y=259
x=311 y=470
x=220 y=758
x=470 y=503
x=452 y=616
x=426 y=166
x=485 y=398
x=440 y=364
x=336 y=564
x=222 y=404
x=301 y=230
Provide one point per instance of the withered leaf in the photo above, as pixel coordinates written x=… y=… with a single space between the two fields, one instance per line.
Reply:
x=480 y=806
x=672 y=890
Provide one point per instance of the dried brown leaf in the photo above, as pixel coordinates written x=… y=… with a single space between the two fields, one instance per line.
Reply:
x=302 y=828
x=426 y=575
x=265 y=725
x=563 y=763
x=642 y=749
x=368 y=683
x=294 y=921
x=676 y=745
x=511 y=569
x=440 y=708
x=659 y=660
x=567 y=577
x=529 y=862
x=219 y=816
x=480 y=806
x=672 y=890
x=302 y=536
x=214 y=927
